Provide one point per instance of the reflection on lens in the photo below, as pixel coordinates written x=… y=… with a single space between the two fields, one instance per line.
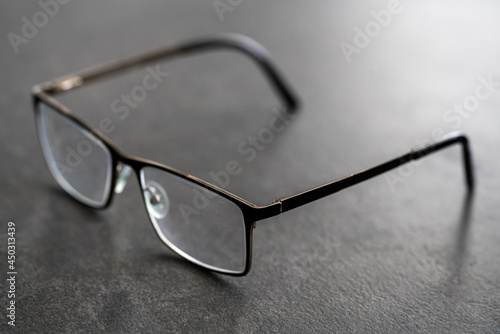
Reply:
x=199 y=224
x=77 y=159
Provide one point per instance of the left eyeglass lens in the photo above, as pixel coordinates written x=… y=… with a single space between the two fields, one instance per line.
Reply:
x=78 y=160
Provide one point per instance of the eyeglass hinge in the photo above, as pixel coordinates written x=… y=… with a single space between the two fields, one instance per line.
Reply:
x=69 y=82
x=278 y=201
x=59 y=85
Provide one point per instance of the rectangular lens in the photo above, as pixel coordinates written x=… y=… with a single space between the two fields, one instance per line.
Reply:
x=78 y=160
x=201 y=225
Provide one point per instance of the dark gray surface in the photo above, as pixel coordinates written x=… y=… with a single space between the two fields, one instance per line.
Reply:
x=417 y=257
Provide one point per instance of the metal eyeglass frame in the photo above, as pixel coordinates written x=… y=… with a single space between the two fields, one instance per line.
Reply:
x=251 y=213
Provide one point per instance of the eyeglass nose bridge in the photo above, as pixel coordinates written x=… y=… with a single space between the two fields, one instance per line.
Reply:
x=155 y=196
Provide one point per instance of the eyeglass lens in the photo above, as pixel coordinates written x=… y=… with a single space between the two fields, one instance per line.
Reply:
x=77 y=159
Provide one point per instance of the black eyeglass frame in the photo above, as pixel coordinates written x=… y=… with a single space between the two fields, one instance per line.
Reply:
x=251 y=212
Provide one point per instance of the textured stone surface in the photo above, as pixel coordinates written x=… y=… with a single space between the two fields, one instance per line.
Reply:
x=413 y=257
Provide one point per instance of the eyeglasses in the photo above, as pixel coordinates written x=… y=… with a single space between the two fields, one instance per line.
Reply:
x=201 y=222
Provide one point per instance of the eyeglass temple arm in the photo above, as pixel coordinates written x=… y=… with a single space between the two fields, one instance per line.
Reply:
x=236 y=42
x=295 y=201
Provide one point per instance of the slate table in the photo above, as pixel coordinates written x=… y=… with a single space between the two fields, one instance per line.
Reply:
x=406 y=252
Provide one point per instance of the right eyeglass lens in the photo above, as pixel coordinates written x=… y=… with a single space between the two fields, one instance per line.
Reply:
x=78 y=160
x=199 y=224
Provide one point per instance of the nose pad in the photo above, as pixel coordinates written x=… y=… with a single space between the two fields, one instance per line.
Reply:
x=156 y=198
x=122 y=178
